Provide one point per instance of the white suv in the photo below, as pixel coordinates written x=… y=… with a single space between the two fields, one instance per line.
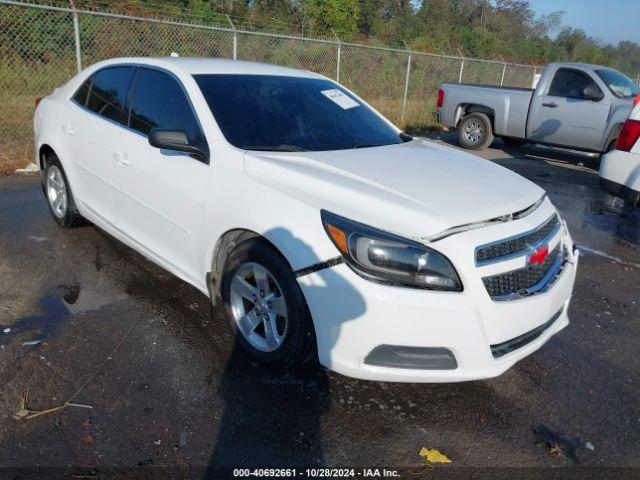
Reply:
x=318 y=224
x=620 y=168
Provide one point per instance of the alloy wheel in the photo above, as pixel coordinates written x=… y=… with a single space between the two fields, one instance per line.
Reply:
x=473 y=132
x=258 y=306
x=57 y=191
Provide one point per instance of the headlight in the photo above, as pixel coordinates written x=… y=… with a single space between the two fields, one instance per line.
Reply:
x=388 y=258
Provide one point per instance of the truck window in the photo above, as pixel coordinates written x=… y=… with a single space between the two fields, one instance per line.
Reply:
x=570 y=83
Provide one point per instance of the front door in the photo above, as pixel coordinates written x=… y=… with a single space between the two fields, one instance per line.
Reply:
x=158 y=194
x=564 y=116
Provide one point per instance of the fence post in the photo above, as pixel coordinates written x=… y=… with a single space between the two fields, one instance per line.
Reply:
x=504 y=69
x=338 y=59
x=235 y=37
x=76 y=36
x=406 y=83
x=461 y=70
x=533 y=79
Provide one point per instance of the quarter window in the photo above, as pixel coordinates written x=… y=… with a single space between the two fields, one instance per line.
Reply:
x=109 y=92
x=82 y=92
x=160 y=102
x=570 y=83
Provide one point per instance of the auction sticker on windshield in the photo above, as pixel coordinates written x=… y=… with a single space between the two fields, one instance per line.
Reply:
x=340 y=98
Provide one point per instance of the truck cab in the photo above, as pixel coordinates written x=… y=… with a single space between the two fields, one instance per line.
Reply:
x=574 y=105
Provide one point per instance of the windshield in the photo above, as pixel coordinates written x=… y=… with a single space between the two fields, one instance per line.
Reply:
x=265 y=112
x=621 y=85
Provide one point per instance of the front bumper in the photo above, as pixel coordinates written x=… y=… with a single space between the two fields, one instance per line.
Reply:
x=353 y=316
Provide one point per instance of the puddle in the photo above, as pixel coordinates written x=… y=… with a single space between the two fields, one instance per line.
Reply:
x=66 y=300
x=613 y=217
x=54 y=309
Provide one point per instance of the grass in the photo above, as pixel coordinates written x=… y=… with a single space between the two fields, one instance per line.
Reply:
x=16 y=132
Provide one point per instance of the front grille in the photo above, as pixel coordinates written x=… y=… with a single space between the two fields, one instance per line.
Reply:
x=509 y=346
x=516 y=246
x=520 y=282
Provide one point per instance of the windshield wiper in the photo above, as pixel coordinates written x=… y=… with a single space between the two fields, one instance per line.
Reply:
x=368 y=145
x=276 y=148
x=405 y=137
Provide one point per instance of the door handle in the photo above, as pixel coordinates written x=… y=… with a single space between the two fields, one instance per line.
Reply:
x=550 y=104
x=121 y=158
x=68 y=129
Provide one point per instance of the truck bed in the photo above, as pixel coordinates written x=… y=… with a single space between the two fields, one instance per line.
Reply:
x=508 y=105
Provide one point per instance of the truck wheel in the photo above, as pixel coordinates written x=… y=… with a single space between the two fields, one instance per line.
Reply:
x=513 y=142
x=265 y=307
x=475 y=132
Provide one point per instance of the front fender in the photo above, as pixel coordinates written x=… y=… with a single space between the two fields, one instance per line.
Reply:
x=293 y=227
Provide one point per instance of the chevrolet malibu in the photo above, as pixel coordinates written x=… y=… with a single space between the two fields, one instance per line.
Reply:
x=322 y=229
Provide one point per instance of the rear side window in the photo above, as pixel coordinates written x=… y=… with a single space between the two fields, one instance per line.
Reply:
x=82 y=92
x=109 y=92
x=160 y=102
x=570 y=83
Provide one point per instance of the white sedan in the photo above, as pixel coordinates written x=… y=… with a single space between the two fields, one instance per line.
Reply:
x=323 y=229
x=620 y=168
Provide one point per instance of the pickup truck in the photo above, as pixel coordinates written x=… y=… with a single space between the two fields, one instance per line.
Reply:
x=574 y=105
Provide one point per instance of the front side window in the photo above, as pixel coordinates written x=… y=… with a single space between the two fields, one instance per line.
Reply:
x=269 y=112
x=570 y=83
x=109 y=92
x=159 y=102
x=619 y=84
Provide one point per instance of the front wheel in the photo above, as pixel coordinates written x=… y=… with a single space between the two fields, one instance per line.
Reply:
x=475 y=131
x=265 y=307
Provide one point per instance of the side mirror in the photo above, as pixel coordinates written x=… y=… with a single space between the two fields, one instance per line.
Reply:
x=175 y=140
x=591 y=92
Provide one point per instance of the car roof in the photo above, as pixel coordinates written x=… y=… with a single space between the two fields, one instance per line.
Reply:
x=204 y=65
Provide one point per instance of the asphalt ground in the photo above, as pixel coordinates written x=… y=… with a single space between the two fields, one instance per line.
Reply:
x=175 y=398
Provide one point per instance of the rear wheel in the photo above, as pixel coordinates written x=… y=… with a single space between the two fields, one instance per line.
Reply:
x=475 y=131
x=265 y=307
x=59 y=196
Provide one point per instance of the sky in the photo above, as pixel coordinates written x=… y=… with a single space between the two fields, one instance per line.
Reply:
x=607 y=20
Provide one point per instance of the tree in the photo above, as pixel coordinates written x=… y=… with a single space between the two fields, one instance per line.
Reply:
x=340 y=16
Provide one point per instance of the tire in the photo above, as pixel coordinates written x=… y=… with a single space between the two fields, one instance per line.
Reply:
x=59 y=196
x=475 y=131
x=287 y=338
x=633 y=199
x=513 y=142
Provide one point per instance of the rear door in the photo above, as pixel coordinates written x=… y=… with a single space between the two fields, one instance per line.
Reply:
x=92 y=120
x=159 y=194
x=564 y=116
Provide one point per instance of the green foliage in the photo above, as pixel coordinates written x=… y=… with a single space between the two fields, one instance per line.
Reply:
x=478 y=43
x=340 y=16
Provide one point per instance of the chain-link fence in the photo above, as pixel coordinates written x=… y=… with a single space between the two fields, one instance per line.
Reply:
x=42 y=46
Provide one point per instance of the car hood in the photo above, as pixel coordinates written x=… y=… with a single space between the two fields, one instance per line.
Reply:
x=415 y=189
